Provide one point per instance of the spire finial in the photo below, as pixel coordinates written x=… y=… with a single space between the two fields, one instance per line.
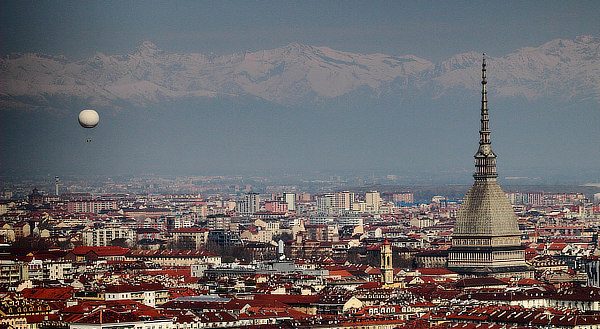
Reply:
x=483 y=86
x=485 y=159
x=483 y=80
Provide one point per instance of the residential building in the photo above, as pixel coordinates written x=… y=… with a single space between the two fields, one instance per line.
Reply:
x=102 y=237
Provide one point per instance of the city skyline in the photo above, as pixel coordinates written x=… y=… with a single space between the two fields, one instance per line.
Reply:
x=238 y=164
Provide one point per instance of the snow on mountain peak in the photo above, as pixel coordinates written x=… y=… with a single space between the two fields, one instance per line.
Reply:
x=296 y=72
x=147 y=48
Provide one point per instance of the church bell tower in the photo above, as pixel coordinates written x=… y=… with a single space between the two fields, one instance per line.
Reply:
x=387 y=270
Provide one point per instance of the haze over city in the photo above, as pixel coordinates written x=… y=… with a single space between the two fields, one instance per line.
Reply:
x=299 y=164
x=202 y=88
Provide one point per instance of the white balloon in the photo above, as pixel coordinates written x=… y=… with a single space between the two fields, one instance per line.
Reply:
x=88 y=118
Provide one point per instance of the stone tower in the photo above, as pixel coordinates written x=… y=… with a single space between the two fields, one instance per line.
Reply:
x=486 y=239
x=387 y=270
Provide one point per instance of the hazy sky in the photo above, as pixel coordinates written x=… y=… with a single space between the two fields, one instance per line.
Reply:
x=433 y=30
x=431 y=137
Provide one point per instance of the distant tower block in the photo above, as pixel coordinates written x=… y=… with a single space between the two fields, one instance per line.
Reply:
x=280 y=250
x=57 y=181
x=387 y=271
x=486 y=240
x=290 y=199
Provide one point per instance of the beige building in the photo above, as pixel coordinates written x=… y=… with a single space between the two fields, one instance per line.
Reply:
x=373 y=201
x=190 y=238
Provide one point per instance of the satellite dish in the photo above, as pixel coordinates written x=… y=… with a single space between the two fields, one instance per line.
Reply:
x=88 y=118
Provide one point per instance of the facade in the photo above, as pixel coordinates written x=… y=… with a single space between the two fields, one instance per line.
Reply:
x=325 y=203
x=276 y=206
x=350 y=220
x=49 y=270
x=151 y=294
x=373 y=201
x=190 y=238
x=224 y=238
x=592 y=268
x=290 y=199
x=321 y=220
x=250 y=204
x=344 y=200
x=175 y=257
x=94 y=206
x=102 y=237
x=486 y=239
x=221 y=222
x=432 y=259
x=405 y=197
x=12 y=272
x=335 y=203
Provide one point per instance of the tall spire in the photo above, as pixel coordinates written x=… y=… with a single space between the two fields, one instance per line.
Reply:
x=486 y=240
x=485 y=159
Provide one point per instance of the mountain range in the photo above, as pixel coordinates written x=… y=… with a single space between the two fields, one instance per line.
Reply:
x=295 y=74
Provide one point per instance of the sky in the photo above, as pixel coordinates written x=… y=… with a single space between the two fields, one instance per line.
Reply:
x=433 y=30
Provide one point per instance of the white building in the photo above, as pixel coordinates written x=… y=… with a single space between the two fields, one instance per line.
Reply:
x=49 y=270
x=290 y=199
x=350 y=220
x=102 y=237
x=320 y=220
x=151 y=294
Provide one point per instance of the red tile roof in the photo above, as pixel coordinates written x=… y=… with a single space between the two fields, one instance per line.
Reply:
x=286 y=299
x=61 y=293
x=557 y=246
x=134 y=288
x=116 y=305
x=258 y=312
x=100 y=251
x=342 y=273
x=479 y=282
x=435 y=271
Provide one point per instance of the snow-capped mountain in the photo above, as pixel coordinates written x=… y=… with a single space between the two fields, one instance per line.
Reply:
x=565 y=69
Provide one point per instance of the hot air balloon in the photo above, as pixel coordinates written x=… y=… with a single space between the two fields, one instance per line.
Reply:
x=88 y=119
